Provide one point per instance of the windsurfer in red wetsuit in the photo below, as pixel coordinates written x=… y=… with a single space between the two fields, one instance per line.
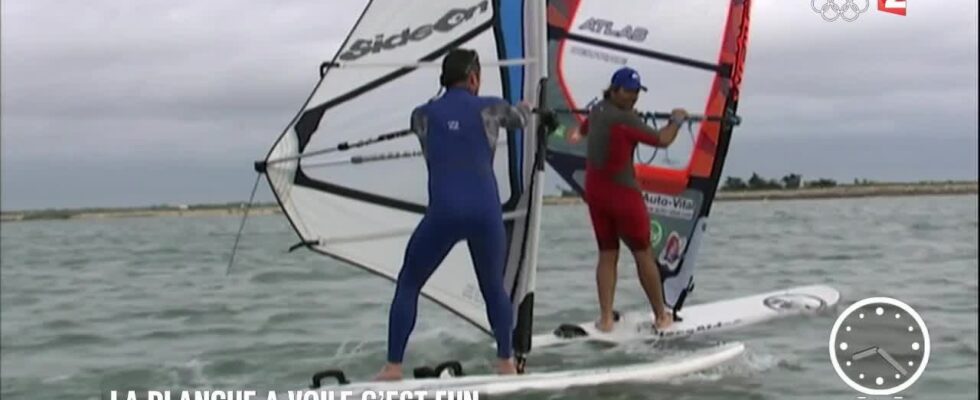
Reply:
x=615 y=203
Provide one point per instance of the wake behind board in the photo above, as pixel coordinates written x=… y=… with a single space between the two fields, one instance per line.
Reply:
x=701 y=318
x=657 y=371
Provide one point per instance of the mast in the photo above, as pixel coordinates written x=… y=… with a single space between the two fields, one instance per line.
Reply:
x=535 y=79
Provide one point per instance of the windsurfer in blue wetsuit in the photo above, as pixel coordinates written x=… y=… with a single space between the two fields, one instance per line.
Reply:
x=458 y=135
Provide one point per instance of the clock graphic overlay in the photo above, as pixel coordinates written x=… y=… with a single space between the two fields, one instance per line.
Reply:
x=879 y=346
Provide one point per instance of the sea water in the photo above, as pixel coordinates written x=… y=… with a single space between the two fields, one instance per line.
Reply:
x=90 y=306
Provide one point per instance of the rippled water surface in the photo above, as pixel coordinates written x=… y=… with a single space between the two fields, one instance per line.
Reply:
x=144 y=303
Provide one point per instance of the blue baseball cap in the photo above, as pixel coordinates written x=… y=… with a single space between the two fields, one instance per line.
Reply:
x=627 y=78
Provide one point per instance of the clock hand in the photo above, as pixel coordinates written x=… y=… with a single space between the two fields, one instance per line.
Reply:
x=865 y=353
x=884 y=354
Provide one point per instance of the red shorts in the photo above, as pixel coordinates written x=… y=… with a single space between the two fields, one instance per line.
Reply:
x=617 y=212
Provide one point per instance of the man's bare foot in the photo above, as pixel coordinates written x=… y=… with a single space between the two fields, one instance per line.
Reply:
x=390 y=372
x=605 y=325
x=506 y=367
x=663 y=322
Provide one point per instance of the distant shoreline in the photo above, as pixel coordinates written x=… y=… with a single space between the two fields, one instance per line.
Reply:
x=851 y=191
x=838 y=192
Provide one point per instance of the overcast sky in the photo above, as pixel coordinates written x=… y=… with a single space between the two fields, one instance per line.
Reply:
x=116 y=103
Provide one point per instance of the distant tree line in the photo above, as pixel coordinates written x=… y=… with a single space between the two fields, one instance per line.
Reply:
x=791 y=181
x=787 y=182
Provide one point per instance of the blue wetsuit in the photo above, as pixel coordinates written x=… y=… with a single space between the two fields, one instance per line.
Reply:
x=458 y=134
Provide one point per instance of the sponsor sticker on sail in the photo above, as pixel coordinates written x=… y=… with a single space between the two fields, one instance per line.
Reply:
x=670 y=256
x=669 y=206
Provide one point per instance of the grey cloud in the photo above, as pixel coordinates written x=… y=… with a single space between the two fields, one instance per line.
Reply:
x=187 y=93
x=879 y=157
x=110 y=72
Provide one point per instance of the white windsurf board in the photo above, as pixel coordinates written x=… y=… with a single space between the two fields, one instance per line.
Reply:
x=701 y=318
x=656 y=371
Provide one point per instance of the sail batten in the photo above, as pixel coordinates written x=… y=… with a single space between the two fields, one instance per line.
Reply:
x=560 y=33
x=426 y=64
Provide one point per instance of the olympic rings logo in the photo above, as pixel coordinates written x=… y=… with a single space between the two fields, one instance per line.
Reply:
x=848 y=11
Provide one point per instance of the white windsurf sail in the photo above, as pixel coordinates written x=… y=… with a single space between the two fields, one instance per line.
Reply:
x=350 y=177
x=675 y=47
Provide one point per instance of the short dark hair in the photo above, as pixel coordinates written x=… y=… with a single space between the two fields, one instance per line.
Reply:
x=457 y=66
